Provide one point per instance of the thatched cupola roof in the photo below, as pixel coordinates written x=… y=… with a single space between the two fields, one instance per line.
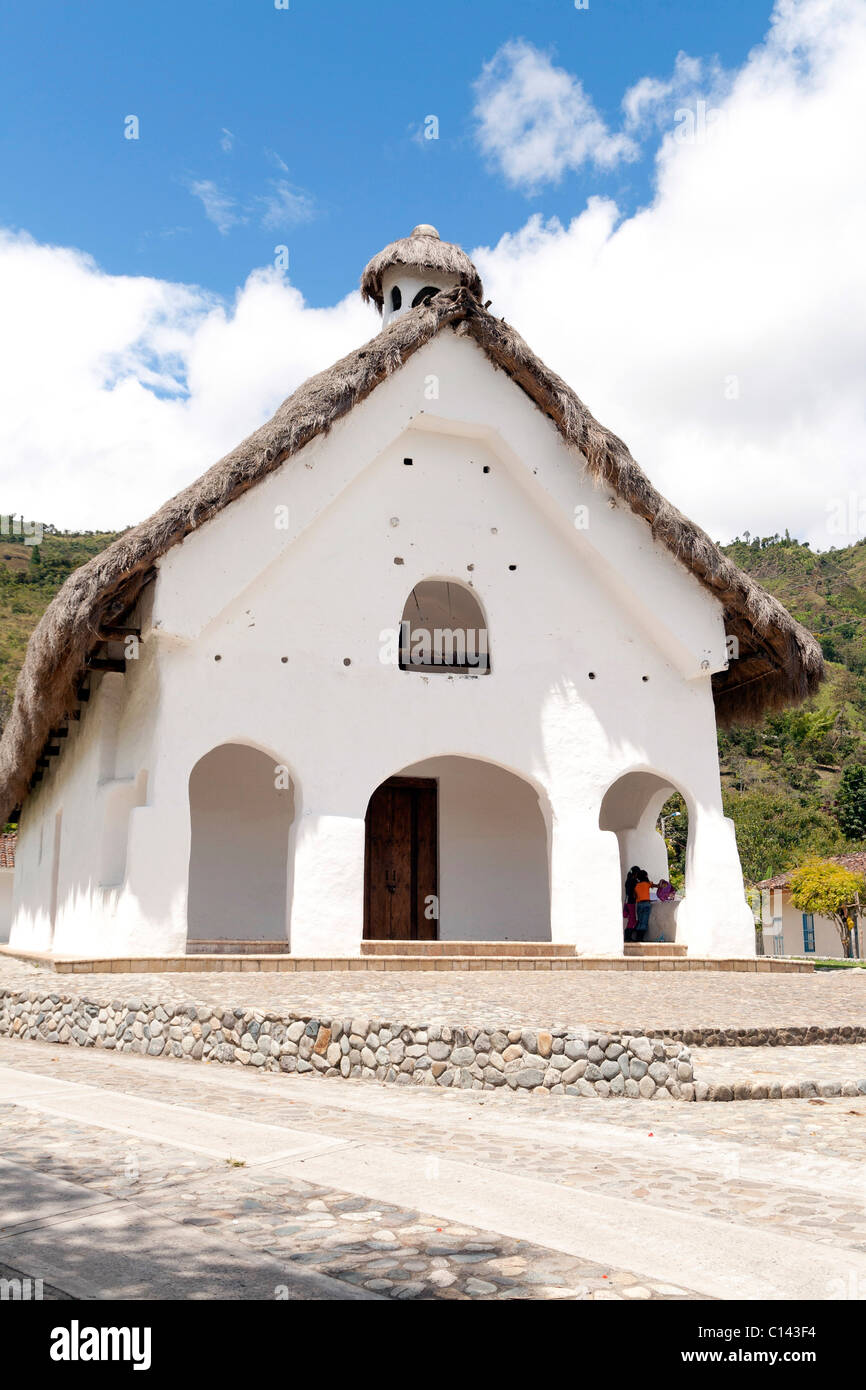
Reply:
x=779 y=661
x=421 y=251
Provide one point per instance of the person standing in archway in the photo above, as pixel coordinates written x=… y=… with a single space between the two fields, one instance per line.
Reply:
x=629 y=911
x=642 y=889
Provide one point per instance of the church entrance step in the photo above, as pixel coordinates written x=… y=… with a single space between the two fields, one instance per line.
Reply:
x=537 y=950
x=252 y=959
x=666 y=949
x=465 y=948
x=237 y=948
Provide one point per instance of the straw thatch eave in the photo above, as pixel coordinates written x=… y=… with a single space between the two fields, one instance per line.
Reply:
x=780 y=661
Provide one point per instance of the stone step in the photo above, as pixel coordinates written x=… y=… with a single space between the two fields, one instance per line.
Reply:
x=644 y=949
x=237 y=948
x=146 y=965
x=534 y=949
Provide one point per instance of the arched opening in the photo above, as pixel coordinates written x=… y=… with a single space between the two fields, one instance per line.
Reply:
x=456 y=850
x=241 y=809
x=396 y=299
x=443 y=629
x=423 y=295
x=643 y=810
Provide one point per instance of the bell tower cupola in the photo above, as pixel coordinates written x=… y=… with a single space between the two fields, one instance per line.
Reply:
x=410 y=271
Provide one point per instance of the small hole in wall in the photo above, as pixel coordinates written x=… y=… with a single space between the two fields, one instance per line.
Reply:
x=284 y=659
x=470 y=567
x=592 y=675
x=407 y=463
x=398 y=559
x=512 y=567
x=217 y=658
x=347 y=661
x=486 y=468
x=644 y=679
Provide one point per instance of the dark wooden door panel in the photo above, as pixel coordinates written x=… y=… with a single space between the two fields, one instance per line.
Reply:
x=400 y=860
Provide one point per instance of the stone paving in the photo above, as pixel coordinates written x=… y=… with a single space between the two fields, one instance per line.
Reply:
x=829 y=1063
x=613 y=1000
x=390 y=1250
x=795 y=1166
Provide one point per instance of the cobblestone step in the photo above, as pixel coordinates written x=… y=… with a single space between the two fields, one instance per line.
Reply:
x=466 y=948
x=237 y=948
x=126 y=965
x=665 y=949
x=435 y=949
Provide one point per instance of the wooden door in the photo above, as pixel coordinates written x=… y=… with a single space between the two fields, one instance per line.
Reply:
x=400 y=868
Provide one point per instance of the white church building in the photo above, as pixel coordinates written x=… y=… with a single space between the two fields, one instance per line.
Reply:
x=421 y=659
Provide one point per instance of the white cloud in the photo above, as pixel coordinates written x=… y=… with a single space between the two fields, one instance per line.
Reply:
x=285 y=206
x=652 y=102
x=722 y=330
x=536 y=121
x=220 y=207
x=227 y=141
x=277 y=159
x=119 y=390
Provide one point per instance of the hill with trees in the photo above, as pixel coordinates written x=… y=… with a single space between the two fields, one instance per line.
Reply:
x=30 y=575
x=782 y=778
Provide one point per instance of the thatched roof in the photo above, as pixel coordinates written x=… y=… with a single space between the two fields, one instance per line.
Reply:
x=779 y=661
x=421 y=250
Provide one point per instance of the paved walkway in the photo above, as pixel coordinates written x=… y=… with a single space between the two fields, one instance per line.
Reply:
x=127 y=1177
x=612 y=1000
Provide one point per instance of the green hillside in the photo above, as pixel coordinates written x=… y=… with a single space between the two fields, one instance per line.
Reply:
x=780 y=777
x=30 y=575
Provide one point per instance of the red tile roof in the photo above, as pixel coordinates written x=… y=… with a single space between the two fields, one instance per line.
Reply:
x=855 y=862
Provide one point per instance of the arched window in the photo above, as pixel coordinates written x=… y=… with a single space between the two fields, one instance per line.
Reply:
x=443 y=629
x=396 y=299
x=423 y=295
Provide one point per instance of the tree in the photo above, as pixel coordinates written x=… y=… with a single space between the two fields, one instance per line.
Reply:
x=851 y=802
x=829 y=890
x=775 y=830
x=674 y=825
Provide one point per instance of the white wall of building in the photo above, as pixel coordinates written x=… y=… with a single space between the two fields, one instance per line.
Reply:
x=6 y=881
x=791 y=939
x=270 y=627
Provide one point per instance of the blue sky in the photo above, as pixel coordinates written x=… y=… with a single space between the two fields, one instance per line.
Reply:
x=300 y=123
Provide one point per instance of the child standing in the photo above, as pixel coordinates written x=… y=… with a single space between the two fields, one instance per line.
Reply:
x=644 y=906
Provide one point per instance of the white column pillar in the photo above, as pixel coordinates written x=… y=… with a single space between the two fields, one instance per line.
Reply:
x=585 y=891
x=327 y=909
x=714 y=919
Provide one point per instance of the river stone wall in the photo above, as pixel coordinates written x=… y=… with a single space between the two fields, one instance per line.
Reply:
x=558 y=1061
